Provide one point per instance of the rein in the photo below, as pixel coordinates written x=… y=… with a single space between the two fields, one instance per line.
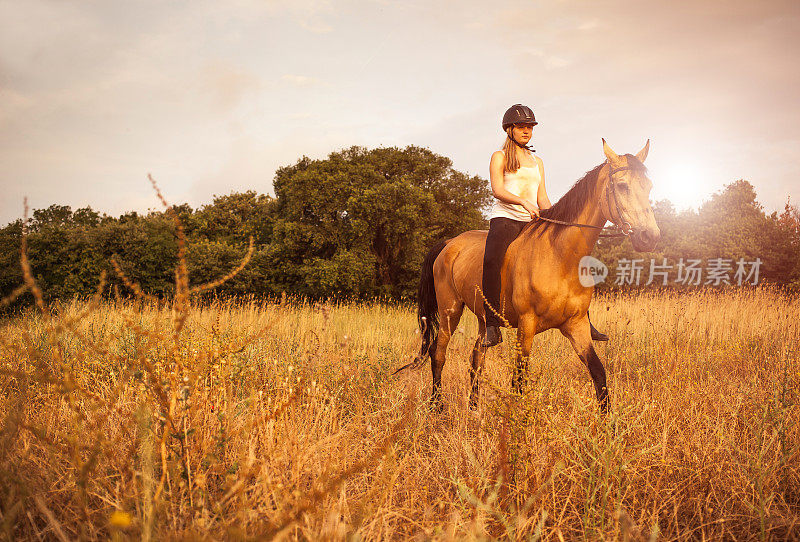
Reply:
x=618 y=231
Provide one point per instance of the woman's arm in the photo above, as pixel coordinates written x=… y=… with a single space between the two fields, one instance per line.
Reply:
x=498 y=186
x=541 y=194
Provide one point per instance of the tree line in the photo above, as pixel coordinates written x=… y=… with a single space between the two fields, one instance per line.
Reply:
x=357 y=225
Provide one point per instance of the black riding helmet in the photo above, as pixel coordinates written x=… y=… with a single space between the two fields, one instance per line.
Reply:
x=519 y=114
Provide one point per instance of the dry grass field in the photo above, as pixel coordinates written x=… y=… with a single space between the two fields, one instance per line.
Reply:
x=254 y=420
x=250 y=420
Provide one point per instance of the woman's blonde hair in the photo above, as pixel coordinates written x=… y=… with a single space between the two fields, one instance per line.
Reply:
x=510 y=160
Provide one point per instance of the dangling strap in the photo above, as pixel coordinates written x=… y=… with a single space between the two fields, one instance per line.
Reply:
x=526 y=147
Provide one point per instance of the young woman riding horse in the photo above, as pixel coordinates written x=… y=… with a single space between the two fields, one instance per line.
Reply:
x=517 y=178
x=540 y=286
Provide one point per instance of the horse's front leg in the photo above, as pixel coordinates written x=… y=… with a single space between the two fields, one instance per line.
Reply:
x=525 y=334
x=578 y=331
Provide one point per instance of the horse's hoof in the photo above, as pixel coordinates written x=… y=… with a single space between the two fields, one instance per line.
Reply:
x=436 y=406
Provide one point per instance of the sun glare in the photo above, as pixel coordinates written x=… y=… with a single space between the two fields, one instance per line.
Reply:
x=684 y=184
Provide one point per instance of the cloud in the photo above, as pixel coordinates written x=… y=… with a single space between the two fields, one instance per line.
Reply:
x=589 y=25
x=316 y=27
x=299 y=80
x=709 y=81
x=14 y=103
x=228 y=84
x=208 y=96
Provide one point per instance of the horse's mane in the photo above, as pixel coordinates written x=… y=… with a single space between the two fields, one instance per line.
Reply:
x=569 y=206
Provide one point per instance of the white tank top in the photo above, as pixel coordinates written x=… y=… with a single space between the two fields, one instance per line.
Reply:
x=523 y=183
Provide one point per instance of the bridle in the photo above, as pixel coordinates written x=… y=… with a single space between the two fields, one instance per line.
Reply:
x=618 y=230
x=612 y=193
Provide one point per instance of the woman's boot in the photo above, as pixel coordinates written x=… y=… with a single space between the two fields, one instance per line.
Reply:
x=492 y=337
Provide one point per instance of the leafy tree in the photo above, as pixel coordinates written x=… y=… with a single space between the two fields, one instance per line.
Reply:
x=10 y=271
x=234 y=219
x=207 y=261
x=360 y=222
x=730 y=225
x=55 y=215
x=781 y=246
x=731 y=220
x=355 y=224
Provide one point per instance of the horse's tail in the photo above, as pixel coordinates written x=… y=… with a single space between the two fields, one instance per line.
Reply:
x=427 y=308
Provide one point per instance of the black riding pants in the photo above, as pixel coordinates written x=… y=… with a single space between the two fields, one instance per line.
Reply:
x=501 y=232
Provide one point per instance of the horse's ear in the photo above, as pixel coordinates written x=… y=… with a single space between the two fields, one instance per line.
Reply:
x=611 y=155
x=642 y=154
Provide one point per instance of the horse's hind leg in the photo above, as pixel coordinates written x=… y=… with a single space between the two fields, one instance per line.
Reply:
x=579 y=334
x=448 y=321
x=476 y=367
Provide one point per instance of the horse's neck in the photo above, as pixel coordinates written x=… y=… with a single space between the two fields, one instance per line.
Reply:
x=578 y=241
x=575 y=242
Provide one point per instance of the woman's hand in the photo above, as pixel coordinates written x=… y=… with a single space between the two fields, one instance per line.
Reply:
x=531 y=208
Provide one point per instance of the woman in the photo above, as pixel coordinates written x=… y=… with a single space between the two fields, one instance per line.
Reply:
x=517 y=178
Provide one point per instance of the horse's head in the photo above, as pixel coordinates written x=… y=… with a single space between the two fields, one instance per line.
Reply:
x=626 y=197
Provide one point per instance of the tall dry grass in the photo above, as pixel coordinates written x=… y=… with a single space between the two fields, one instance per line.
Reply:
x=256 y=420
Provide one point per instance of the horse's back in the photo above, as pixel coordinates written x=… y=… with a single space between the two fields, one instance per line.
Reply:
x=459 y=268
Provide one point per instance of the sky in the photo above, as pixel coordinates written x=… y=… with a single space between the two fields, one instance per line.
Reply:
x=212 y=97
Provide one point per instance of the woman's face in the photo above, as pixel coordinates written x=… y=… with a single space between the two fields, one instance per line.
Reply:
x=523 y=132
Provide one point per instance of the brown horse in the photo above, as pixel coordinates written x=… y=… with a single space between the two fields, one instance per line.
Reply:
x=540 y=276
